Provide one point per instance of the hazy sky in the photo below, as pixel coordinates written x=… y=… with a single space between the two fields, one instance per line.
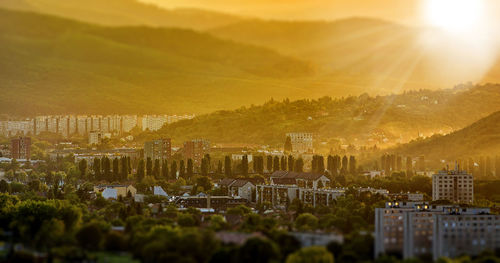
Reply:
x=406 y=11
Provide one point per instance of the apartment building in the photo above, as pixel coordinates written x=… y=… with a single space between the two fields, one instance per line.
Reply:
x=158 y=149
x=422 y=230
x=196 y=150
x=455 y=186
x=21 y=148
x=301 y=142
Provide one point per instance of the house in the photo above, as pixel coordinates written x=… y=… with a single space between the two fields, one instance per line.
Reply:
x=305 y=180
x=158 y=190
x=121 y=190
x=239 y=187
x=308 y=239
x=218 y=203
x=110 y=193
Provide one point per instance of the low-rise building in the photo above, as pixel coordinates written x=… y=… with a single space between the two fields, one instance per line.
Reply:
x=308 y=239
x=282 y=195
x=218 y=203
x=115 y=191
x=304 y=180
x=239 y=187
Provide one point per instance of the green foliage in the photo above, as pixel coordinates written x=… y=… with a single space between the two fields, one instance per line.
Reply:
x=115 y=63
x=311 y=254
x=306 y=222
x=259 y=251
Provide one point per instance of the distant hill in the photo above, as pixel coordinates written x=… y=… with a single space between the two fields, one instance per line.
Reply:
x=361 y=120
x=123 y=13
x=479 y=138
x=379 y=55
x=351 y=56
x=55 y=65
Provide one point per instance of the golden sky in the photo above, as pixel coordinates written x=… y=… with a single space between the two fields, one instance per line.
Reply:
x=405 y=11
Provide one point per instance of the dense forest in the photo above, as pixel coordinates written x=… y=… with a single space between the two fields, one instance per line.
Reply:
x=480 y=138
x=361 y=120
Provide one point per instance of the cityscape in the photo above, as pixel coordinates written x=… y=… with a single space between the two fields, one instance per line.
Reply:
x=250 y=131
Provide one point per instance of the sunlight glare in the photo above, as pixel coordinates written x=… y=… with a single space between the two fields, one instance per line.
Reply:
x=455 y=16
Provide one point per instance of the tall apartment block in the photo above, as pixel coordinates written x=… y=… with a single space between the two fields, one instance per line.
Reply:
x=196 y=149
x=21 y=148
x=301 y=142
x=158 y=149
x=455 y=186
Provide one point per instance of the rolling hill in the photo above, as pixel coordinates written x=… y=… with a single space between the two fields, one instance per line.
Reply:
x=359 y=120
x=55 y=65
x=480 y=138
x=123 y=13
x=380 y=55
x=351 y=56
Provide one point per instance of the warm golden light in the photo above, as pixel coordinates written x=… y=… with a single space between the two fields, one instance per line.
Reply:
x=455 y=16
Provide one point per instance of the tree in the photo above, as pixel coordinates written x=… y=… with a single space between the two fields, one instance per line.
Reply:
x=140 y=170
x=90 y=235
x=173 y=170
x=299 y=165
x=352 y=165
x=244 y=165
x=311 y=254
x=276 y=164
x=227 y=166
x=283 y=163
x=189 y=170
x=269 y=163
x=149 y=166
x=182 y=169
x=345 y=167
x=82 y=166
x=219 y=167
x=258 y=250
x=124 y=171
x=116 y=169
x=106 y=168
x=290 y=163
x=204 y=167
x=97 y=168
x=204 y=182
x=409 y=166
x=164 y=169
x=156 y=169
x=306 y=222
x=288 y=144
x=4 y=186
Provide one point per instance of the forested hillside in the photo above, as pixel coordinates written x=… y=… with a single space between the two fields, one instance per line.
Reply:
x=360 y=120
x=480 y=138
x=123 y=13
x=61 y=66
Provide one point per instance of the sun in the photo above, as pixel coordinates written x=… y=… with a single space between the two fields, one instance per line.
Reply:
x=455 y=16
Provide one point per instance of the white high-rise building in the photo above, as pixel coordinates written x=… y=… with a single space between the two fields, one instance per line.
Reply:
x=153 y=122
x=455 y=186
x=301 y=142
x=95 y=137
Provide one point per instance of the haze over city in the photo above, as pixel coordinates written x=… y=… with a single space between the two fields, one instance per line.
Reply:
x=249 y=131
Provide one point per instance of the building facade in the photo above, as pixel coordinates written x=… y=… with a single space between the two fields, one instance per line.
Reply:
x=21 y=148
x=301 y=142
x=158 y=149
x=455 y=186
x=421 y=230
x=196 y=150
